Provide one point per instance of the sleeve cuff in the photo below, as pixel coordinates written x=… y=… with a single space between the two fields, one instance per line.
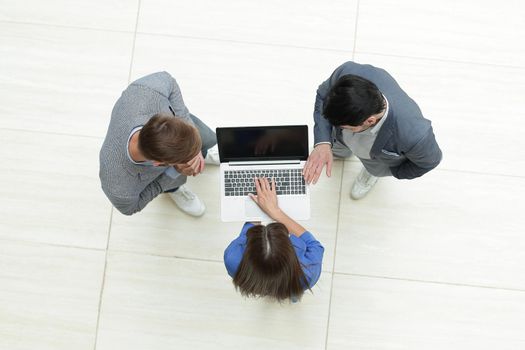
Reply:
x=245 y=228
x=323 y=143
x=307 y=237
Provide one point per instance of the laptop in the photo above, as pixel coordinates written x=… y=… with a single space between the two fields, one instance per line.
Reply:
x=277 y=152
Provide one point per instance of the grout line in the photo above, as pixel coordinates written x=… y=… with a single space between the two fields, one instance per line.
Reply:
x=245 y=42
x=278 y=45
x=65 y=26
x=48 y=244
x=338 y=210
x=335 y=254
x=442 y=60
x=355 y=30
x=191 y=37
x=52 y=133
x=103 y=284
x=327 y=49
x=459 y=171
x=432 y=282
x=165 y=256
x=478 y=173
x=134 y=41
x=112 y=208
x=198 y=259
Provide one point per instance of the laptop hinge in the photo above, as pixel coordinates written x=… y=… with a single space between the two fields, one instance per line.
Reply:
x=272 y=162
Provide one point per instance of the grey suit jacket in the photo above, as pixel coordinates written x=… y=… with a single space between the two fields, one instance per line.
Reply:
x=130 y=186
x=405 y=142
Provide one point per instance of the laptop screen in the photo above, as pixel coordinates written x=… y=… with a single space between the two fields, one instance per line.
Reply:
x=258 y=143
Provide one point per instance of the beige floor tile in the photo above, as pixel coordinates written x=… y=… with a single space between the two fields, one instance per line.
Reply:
x=50 y=190
x=468 y=31
x=325 y=197
x=232 y=84
x=162 y=229
x=446 y=226
x=293 y=23
x=101 y=14
x=61 y=80
x=165 y=303
x=49 y=296
x=472 y=108
x=369 y=313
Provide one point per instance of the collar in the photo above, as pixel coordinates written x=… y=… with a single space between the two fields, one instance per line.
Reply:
x=145 y=163
x=376 y=127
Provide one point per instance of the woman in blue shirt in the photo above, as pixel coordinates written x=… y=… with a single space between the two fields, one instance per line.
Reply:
x=279 y=260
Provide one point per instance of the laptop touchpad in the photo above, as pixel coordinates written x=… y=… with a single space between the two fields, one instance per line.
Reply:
x=251 y=209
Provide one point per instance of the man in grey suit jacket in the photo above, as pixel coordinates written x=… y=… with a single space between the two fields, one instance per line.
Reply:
x=362 y=110
x=153 y=142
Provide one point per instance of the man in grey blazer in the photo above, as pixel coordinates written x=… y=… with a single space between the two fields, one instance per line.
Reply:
x=152 y=144
x=362 y=110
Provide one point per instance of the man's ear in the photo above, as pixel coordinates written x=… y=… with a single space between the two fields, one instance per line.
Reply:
x=370 y=121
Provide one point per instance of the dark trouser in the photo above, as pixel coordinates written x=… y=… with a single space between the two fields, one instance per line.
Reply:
x=341 y=150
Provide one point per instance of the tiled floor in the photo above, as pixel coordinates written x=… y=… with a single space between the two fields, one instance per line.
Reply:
x=433 y=263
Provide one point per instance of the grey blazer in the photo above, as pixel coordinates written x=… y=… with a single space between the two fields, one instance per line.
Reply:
x=405 y=142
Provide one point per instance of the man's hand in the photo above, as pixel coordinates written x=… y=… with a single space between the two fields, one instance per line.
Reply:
x=194 y=167
x=320 y=156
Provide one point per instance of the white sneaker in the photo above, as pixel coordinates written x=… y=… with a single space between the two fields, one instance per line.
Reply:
x=363 y=184
x=212 y=157
x=187 y=201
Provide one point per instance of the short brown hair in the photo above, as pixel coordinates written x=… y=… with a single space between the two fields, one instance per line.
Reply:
x=168 y=139
x=269 y=266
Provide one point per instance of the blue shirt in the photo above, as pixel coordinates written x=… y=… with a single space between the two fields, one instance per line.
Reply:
x=309 y=252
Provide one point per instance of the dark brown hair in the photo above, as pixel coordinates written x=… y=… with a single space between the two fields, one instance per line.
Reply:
x=168 y=139
x=269 y=266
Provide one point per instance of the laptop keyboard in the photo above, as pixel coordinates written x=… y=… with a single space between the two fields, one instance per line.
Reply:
x=241 y=182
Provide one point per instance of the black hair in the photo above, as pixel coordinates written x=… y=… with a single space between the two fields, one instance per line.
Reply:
x=352 y=100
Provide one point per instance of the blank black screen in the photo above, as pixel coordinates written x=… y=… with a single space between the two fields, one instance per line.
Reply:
x=263 y=143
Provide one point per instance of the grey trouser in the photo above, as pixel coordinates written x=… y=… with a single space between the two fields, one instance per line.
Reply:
x=208 y=137
x=341 y=150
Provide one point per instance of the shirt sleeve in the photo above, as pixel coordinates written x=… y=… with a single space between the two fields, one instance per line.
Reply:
x=310 y=253
x=322 y=127
x=235 y=250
